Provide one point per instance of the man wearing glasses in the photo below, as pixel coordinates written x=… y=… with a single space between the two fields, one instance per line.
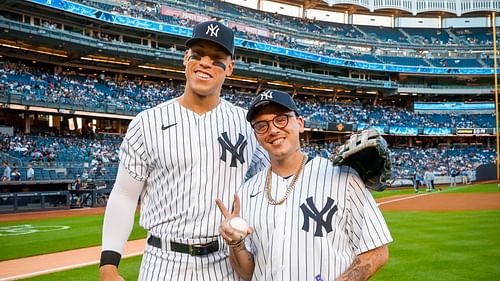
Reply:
x=309 y=220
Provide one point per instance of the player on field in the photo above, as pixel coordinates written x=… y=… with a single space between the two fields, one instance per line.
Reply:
x=177 y=157
x=310 y=220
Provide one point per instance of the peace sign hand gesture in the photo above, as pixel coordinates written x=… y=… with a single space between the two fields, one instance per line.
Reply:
x=233 y=229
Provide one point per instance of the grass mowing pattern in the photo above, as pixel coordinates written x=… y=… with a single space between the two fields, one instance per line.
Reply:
x=84 y=231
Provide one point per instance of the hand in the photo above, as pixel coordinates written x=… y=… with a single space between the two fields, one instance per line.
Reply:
x=232 y=237
x=109 y=272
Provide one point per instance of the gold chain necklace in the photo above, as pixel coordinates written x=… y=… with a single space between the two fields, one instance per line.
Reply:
x=290 y=187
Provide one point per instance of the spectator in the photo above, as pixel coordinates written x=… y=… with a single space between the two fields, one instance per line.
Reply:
x=77 y=185
x=429 y=179
x=453 y=180
x=6 y=171
x=465 y=176
x=416 y=181
x=85 y=175
x=16 y=175
x=76 y=196
x=30 y=173
x=101 y=170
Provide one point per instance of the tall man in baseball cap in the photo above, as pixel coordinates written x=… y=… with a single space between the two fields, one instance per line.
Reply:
x=178 y=157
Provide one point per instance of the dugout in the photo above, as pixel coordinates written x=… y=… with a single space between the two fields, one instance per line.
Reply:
x=33 y=201
x=35 y=186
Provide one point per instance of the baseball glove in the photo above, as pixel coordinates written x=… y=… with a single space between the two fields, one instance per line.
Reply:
x=367 y=153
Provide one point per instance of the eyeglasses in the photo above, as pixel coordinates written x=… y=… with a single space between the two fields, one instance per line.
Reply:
x=279 y=121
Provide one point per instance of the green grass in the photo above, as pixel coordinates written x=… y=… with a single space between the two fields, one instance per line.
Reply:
x=476 y=188
x=427 y=245
x=392 y=192
x=129 y=269
x=84 y=231
x=444 y=246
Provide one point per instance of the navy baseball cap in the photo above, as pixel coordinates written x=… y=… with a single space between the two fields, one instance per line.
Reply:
x=214 y=32
x=271 y=96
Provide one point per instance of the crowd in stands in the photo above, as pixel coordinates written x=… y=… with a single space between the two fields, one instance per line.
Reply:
x=97 y=158
x=133 y=96
x=42 y=86
x=409 y=160
x=288 y=32
x=84 y=157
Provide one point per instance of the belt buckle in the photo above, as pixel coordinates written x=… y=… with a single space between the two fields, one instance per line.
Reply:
x=195 y=249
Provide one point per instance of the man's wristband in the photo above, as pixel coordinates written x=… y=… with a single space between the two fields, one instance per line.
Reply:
x=110 y=257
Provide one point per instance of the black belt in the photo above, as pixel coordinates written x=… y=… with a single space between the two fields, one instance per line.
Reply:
x=193 y=250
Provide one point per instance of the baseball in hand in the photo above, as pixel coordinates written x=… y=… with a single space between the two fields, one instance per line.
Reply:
x=240 y=226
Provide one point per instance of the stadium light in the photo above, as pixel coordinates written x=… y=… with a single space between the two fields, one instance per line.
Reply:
x=71 y=124
x=46 y=52
x=160 y=68
x=250 y=80
x=279 y=83
x=319 y=89
x=106 y=60
x=79 y=122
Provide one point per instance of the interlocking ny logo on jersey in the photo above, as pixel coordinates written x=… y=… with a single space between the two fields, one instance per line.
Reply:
x=213 y=30
x=236 y=150
x=266 y=95
x=311 y=212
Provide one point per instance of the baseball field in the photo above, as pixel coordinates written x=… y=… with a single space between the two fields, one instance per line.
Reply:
x=453 y=234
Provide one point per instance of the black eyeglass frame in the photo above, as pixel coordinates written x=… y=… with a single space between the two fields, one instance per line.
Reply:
x=287 y=115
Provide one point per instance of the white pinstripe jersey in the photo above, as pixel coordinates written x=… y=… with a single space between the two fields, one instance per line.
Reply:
x=327 y=220
x=187 y=161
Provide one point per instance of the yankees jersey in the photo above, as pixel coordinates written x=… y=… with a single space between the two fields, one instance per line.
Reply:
x=328 y=219
x=187 y=160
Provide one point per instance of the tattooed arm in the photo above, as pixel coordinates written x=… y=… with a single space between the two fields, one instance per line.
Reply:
x=366 y=264
x=242 y=261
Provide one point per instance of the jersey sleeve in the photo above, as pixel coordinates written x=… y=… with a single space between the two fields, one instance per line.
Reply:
x=260 y=161
x=369 y=229
x=120 y=210
x=132 y=150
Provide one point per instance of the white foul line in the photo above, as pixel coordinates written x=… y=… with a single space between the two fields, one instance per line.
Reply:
x=423 y=194
x=62 y=268
x=404 y=198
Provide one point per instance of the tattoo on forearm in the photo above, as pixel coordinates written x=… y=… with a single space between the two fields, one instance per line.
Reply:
x=249 y=256
x=358 y=271
x=365 y=265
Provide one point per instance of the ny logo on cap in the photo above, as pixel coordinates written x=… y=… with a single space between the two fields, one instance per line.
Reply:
x=213 y=29
x=266 y=95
